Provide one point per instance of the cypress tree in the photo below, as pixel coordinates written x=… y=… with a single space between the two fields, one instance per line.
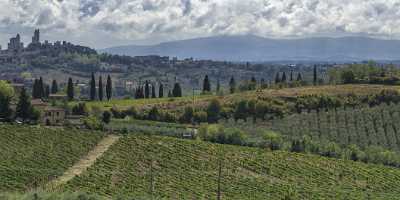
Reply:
x=54 y=87
x=299 y=78
x=253 y=83
x=315 y=76
x=277 y=78
x=153 y=91
x=177 y=91
x=40 y=88
x=109 y=88
x=206 y=84
x=35 y=89
x=283 y=77
x=291 y=75
x=232 y=85
x=218 y=86
x=70 y=90
x=93 y=88
x=170 y=93
x=24 y=107
x=161 y=91
x=46 y=91
x=147 y=90
x=101 y=88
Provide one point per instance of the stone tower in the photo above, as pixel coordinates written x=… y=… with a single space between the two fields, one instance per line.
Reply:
x=36 y=37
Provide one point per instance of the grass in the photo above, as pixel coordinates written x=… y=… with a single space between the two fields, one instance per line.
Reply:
x=31 y=156
x=171 y=168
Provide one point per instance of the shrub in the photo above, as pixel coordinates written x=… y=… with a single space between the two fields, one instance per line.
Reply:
x=213 y=111
x=106 y=117
x=272 y=140
x=200 y=116
x=91 y=122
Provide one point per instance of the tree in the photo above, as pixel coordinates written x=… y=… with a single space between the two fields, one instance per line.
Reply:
x=147 y=90
x=36 y=89
x=315 y=76
x=153 y=91
x=161 y=91
x=218 y=86
x=93 y=88
x=46 y=91
x=213 y=111
x=109 y=88
x=24 y=106
x=277 y=78
x=40 y=88
x=283 y=77
x=70 y=90
x=6 y=94
x=241 y=110
x=54 y=87
x=106 y=117
x=206 y=84
x=177 y=91
x=232 y=85
x=101 y=88
x=170 y=93
x=299 y=78
x=253 y=83
x=291 y=75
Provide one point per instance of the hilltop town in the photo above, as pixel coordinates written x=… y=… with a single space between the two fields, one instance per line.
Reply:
x=17 y=53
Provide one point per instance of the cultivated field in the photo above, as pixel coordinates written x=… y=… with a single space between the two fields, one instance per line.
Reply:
x=31 y=156
x=180 y=169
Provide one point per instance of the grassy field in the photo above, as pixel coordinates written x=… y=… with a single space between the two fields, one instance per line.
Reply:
x=181 y=169
x=30 y=156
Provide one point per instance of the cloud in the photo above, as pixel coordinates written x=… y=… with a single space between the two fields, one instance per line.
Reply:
x=163 y=20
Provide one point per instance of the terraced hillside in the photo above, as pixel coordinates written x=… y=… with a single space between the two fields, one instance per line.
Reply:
x=30 y=156
x=171 y=168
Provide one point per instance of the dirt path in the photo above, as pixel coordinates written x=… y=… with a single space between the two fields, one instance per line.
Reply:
x=84 y=163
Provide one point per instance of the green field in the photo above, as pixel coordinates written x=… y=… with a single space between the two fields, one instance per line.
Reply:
x=30 y=156
x=182 y=169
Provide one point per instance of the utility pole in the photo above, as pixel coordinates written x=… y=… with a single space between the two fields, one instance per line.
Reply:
x=151 y=179
x=219 y=179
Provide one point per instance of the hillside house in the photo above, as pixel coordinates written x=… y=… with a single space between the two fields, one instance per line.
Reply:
x=53 y=116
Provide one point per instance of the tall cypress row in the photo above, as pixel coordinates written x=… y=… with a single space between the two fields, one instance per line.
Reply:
x=109 y=88
x=93 y=88
x=100 y=88
x=161 y=91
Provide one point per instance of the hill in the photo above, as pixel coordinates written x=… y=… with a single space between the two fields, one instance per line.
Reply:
x=31 y=156
x=254 y=48
x=182 y=169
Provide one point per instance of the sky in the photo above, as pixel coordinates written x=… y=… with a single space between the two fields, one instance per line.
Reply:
x=106 y=23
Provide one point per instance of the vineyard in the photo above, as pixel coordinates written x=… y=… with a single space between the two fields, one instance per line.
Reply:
x=30 y=156
x=364 y=127
x=168 y=168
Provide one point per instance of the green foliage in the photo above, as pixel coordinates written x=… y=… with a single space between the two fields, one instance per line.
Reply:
x=213 y=111
x=80 y=109
x=206 y=84
x=177 y=90
x=92 y=123
x=109 y=88
x=369 y=73
x=24 y=107
x=6 y=95
x=106 y=117
x=70 y=90
x=93 y=88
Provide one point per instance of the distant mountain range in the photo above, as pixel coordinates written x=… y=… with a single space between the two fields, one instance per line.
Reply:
x=254 y=48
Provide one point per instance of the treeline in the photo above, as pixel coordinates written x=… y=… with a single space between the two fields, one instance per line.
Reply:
x=370 y=73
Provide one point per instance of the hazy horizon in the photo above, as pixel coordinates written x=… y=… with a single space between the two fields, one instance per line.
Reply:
x=100 y=23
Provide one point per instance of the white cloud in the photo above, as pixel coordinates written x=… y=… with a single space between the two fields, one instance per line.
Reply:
x=105 y=22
